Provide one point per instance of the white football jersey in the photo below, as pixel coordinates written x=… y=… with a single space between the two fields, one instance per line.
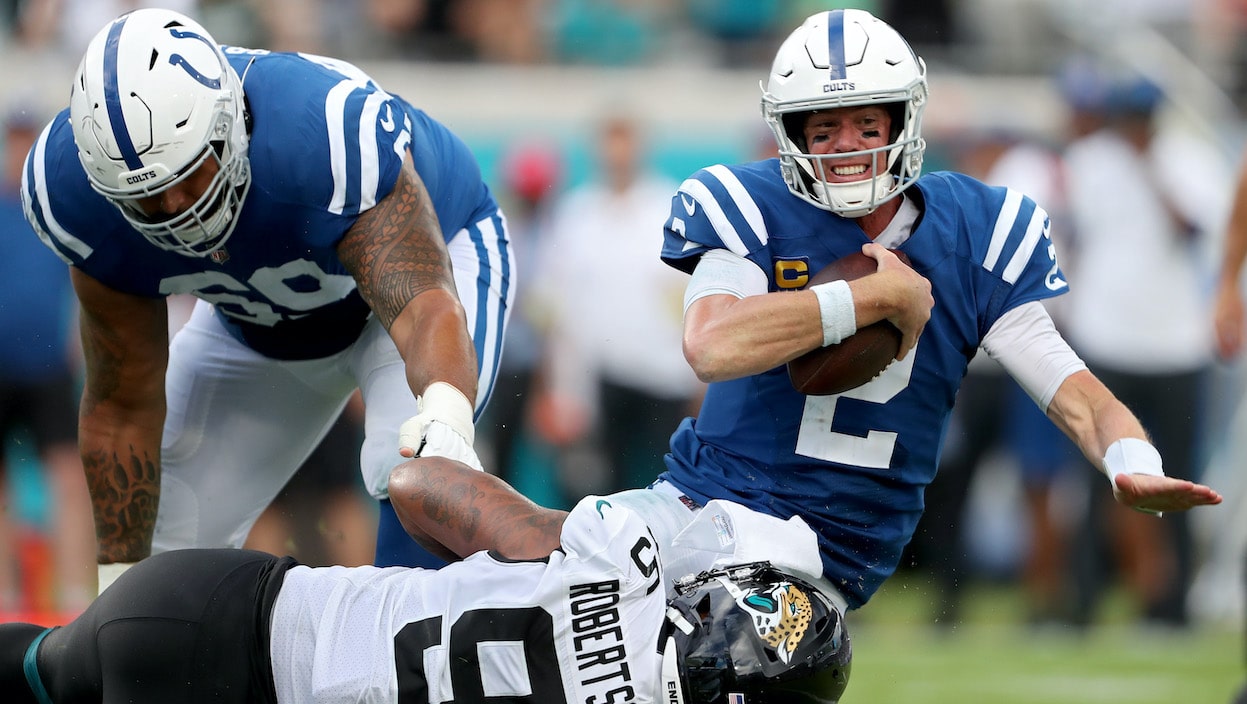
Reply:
x=581 y=626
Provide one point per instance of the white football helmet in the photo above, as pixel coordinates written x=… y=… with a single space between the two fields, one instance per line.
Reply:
x=846 y=58
x=154 y=99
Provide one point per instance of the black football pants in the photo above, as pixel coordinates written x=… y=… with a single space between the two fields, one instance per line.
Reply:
x=181 y=626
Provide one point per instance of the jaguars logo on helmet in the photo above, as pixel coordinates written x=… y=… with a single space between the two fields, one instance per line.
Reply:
x=753 y=634
x=781 y=614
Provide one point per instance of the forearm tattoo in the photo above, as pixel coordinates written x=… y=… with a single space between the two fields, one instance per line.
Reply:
x=466 y=517
x=123 y=479
x=395 y=250
x=125 y=492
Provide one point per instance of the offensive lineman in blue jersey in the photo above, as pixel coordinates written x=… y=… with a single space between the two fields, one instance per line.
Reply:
x=845 y=100
x=316 y=217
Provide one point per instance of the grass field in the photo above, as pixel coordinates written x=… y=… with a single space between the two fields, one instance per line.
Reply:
x=993 y=658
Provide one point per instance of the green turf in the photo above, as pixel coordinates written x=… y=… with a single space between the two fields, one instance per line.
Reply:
x=993 y=657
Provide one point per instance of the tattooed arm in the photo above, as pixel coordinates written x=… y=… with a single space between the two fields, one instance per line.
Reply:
x=125 y=341
x=398 y=258
x=453 y=511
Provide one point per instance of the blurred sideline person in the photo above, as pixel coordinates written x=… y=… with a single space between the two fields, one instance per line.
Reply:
x=1139 y=316
x=532 y=177
x=845 y=100
x=547 y=607
x=1230 y=321
x=317 y=218
x=615 y=383
x=38 y=366
x=994 y=415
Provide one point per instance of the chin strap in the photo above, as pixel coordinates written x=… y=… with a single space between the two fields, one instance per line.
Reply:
x=672 y=691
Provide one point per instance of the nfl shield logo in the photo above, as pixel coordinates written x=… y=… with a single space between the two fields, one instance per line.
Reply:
x=219 y=256
x=733 y=698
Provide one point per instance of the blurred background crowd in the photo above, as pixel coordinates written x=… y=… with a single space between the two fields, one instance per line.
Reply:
x=1122 y=118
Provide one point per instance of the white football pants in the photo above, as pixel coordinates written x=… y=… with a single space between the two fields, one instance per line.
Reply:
x=240 y=424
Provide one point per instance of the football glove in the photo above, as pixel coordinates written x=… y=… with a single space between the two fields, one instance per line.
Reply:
x=443 y=426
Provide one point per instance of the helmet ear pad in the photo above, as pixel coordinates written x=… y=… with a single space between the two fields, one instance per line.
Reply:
x=794 y=127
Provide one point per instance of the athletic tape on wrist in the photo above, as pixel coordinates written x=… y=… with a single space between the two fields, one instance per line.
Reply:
x=836 y=311
x=450 y=406
x=1132 y=456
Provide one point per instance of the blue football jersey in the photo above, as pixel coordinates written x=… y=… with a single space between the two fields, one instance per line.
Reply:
x=326 y=144
x=854 y=465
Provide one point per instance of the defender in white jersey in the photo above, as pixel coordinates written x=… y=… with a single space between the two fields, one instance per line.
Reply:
x=578 y=607
x=845 y=100
x=317 y=218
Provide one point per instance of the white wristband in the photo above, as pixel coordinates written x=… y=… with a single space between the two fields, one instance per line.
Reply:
x=110 y=572
x=836 y=311
x=1131 y=456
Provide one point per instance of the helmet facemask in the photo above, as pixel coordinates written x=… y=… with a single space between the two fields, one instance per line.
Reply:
x=202 y=228
x=845 y=59
x=155 y=101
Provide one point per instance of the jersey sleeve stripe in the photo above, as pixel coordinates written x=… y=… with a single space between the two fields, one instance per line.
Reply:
x=1004 y=226
x=1035 y=230
x=34 y=203
x=335 y=103
x=492 y=246
x=714 y=213
x=369 y=174
x=745 y=203
x=335 y=121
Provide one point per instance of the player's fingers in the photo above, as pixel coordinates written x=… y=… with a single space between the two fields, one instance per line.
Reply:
x=908 y=340
x=1155 y=493
x=880 y=253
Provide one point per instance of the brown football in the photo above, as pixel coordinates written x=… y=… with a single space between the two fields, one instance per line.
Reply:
x=860 y=357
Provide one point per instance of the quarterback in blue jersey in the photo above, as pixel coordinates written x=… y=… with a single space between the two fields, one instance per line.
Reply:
x=845 y=100
x=316 y=218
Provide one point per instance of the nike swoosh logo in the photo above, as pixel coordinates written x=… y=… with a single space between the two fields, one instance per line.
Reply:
x=600 y=504
x=387 y=122
x=690 y=205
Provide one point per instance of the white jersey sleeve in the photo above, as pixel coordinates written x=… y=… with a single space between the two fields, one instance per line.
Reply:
x=581 y=626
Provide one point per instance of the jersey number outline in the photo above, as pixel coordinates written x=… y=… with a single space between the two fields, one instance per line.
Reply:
x=817 y=439
x=531 y=628
x=252 y=301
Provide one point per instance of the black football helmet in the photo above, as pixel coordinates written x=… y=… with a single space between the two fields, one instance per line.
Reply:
x=752 y=634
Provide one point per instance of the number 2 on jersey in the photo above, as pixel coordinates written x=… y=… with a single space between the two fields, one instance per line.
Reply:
x=818 y=440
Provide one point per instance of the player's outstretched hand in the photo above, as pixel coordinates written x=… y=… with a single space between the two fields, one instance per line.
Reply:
x=1158 y=494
